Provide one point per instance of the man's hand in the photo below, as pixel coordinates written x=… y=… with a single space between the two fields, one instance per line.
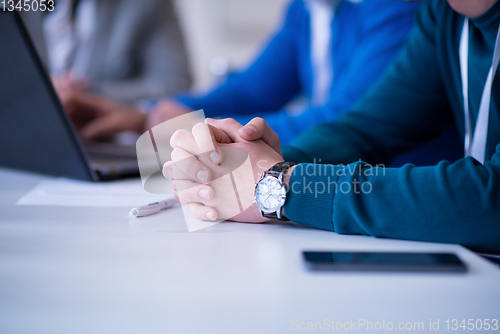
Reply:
x=93 y=116
x=98 y=118
x=198 y=164
x=256 y=129
x=165 y=110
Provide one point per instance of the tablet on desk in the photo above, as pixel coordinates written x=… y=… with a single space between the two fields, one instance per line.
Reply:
x=384 y=261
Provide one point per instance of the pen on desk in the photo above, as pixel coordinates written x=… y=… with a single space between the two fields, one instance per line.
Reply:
x=153 y=208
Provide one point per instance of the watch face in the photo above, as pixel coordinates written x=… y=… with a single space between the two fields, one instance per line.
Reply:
x=269 y=194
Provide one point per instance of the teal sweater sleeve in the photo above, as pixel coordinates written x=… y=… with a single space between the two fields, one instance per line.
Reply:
x=453 y=203
x=450 y=203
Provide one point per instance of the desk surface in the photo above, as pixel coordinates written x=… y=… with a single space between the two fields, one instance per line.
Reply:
x=95 y=270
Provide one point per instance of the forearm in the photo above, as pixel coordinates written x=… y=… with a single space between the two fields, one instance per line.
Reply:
x=450 y=203
x=249 y=92
x=132 y=90
x=214 y=104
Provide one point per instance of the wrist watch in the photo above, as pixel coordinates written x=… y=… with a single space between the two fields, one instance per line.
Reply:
x=270 y=191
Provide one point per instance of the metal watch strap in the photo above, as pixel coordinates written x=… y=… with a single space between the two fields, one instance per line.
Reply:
x=278 y=168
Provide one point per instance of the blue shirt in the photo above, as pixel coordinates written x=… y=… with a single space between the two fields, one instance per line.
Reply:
x=365 y=38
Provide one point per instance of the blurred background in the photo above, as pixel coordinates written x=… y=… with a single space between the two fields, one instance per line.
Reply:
x=160 y=48
x=121 y=67
x=220 y=33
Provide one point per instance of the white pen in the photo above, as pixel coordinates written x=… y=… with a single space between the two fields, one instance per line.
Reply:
x=153 y=208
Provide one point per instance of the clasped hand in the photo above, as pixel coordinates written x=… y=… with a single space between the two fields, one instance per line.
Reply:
x=207 y=172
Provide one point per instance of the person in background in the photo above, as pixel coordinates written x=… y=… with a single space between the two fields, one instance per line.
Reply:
x=121 y=50
x=328 y=51
x=447 y=74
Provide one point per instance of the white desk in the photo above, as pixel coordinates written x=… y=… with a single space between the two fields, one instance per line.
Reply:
x=95 y=270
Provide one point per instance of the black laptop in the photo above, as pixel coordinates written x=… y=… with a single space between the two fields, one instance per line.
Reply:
x=35 y=133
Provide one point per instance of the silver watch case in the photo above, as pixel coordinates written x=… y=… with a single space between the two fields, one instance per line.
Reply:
x=279 y=177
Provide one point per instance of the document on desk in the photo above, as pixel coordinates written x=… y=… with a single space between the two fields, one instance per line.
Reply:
x=126 y=193
x=66 y=192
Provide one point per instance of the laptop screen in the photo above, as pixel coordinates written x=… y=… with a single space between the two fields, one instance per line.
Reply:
x=35 y=133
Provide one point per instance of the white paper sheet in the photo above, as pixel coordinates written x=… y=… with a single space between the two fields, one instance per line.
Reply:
x=127 y=193
x=66 y=192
